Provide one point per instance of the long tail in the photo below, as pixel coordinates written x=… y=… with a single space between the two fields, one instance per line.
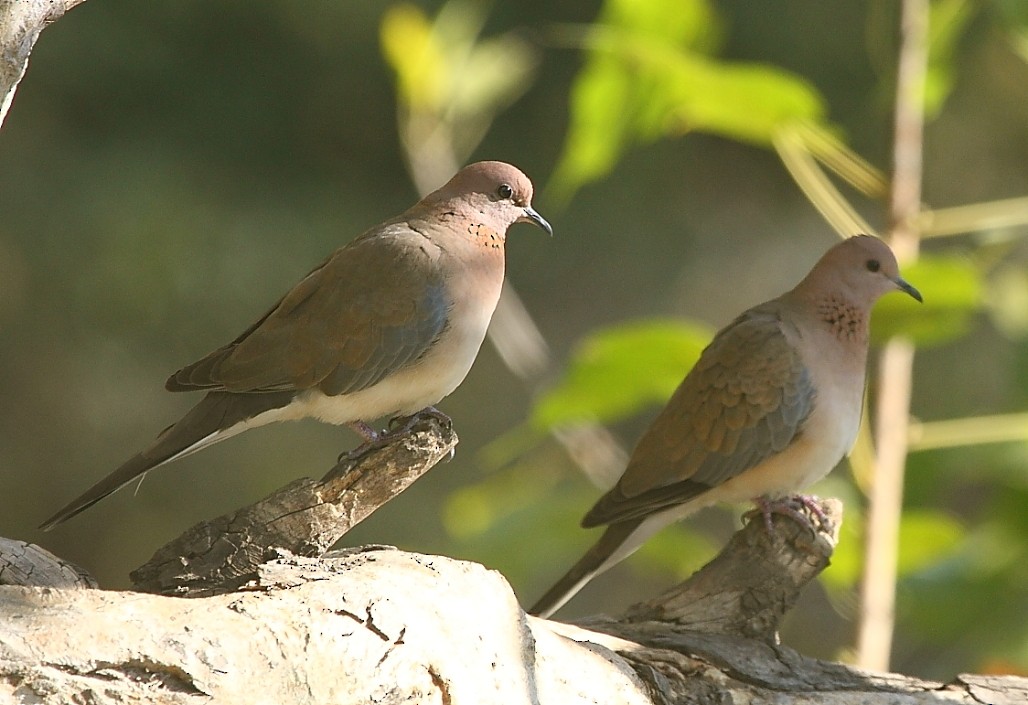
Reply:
x=218 y=416
x=617 y=543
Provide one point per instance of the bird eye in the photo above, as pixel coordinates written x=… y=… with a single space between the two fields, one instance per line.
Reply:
x=505 y=191
x=873 y=265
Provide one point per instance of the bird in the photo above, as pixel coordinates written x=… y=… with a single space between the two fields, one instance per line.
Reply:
x=772 y=405
x=387 y=325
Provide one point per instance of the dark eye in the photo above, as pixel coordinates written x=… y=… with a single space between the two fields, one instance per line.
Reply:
x=505 y=191
x=873 y=265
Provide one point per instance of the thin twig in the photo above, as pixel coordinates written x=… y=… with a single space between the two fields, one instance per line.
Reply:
x=878 y=587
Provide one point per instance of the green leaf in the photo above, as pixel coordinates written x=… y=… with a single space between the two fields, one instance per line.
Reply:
x=617 y=371
x=408 y=45
x=953 y=293
x=448 y=75
x=648 y=75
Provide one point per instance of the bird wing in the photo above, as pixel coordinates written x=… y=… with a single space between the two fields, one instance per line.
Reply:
x=373 y=307
x=745 y=400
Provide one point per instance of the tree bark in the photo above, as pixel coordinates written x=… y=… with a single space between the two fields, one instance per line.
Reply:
x=21 y=21
x=305 y=517
x=385 y=626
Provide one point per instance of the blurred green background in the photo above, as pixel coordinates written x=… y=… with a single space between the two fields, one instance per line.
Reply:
x=168 y=170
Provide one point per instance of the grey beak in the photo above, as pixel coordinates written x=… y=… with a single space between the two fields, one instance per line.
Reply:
x=533 y=217
x=904 y=286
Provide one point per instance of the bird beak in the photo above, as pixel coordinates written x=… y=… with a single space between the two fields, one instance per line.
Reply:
x=904 y=286
x=533 y=217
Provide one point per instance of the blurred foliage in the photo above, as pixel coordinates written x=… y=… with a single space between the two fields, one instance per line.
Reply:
x=947 y=23
x=450 y=82
x=168 y=170
x=1013 y=18
x=602 y=380
x=649 y=74
x=927 y=538
x=952 y=286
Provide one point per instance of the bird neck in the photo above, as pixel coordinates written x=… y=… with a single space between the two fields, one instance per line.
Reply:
x=847 y=321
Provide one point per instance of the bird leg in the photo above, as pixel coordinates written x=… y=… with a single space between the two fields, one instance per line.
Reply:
x=787 y=506
x=371 y=439
x=365 y=431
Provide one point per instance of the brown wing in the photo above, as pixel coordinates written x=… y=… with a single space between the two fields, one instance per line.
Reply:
x=745 y=400
x=371 y=308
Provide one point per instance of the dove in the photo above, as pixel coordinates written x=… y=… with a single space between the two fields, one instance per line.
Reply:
x=388 y=325
x=771 y=406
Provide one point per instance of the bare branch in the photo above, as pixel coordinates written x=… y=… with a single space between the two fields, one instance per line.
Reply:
x=895 y=380
x=305 y=517
x=21 y=22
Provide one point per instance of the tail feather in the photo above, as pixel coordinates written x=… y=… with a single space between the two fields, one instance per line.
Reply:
x=616 y=544
x=218 y=416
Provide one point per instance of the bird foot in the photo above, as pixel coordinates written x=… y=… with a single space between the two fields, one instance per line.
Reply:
x=398 y=427
x=408 y=422
x=372 y=440
x=790 y=507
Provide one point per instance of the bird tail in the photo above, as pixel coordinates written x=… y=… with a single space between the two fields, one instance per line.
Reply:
x=618 y=542
x=218 y=416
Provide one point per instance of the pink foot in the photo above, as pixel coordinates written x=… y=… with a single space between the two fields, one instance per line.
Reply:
x=789 y=507
x=409 y=421
x=398 y=427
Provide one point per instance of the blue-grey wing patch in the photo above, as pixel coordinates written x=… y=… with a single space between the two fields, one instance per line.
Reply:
x=745 y=400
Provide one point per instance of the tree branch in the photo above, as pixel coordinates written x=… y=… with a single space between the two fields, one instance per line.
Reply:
x=895 y=381
x=305 y=517
x=21 y=22
x=386 y=626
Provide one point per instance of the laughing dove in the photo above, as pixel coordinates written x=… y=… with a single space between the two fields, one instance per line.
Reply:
x=388 y=325
x=772 y=405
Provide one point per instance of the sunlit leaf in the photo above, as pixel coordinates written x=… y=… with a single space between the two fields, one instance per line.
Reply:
x=649 y=75
x=747 y=102
x=407 y=43
x=452 y=82
x=617 y=371
x=953 y=292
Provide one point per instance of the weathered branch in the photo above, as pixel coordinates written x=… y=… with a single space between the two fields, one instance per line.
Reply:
x=386 y=626
x=21 y=21
x=305 y=517
x=26 y=564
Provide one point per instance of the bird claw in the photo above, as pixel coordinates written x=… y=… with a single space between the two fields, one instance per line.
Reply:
x=410 y=421
x=787 y=506
x=398 y=426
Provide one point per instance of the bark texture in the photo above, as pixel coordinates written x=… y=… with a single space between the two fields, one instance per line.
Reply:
x=305 y=517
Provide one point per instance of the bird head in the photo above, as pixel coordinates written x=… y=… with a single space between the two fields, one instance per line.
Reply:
x=865 y=269
x=499 y=192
